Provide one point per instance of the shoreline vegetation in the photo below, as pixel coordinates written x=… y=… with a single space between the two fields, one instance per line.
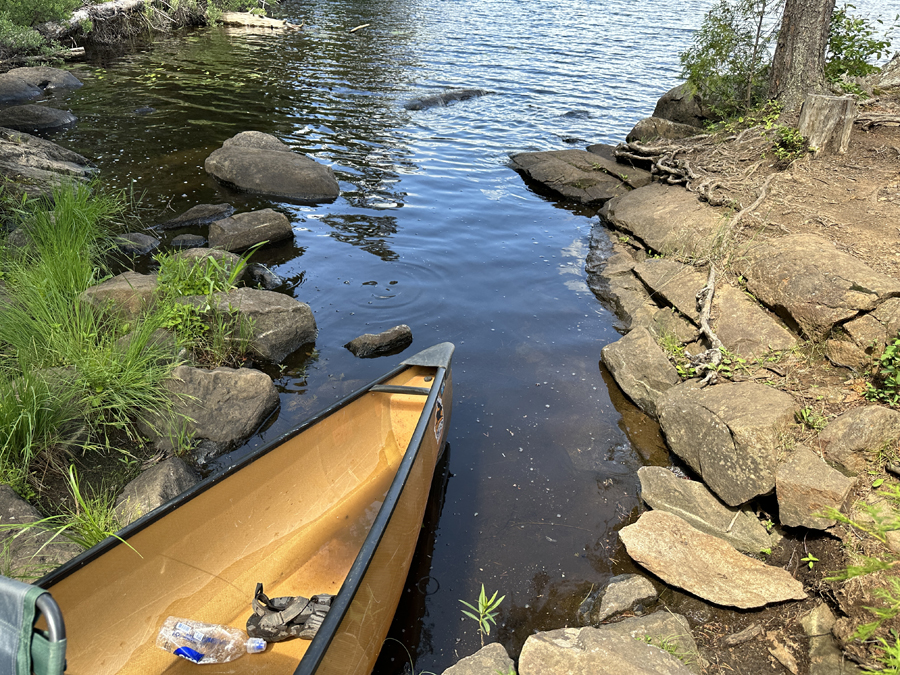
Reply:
x=80 y=379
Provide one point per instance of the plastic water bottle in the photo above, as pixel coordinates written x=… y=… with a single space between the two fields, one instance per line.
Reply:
x=206 y=642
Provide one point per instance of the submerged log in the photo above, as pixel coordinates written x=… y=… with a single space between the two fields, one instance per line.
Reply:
x=827 y=121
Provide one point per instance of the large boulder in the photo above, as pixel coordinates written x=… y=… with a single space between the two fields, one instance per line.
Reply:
x=667 y=219
x=13 y=88
x=640 y=368
x=279 y=324
x=224 y=405
x=683 y=104
x=806 y=486
x=705 y=565
x=34 y=166
x=129 y=294
x=36 y=118
x=574 y=174
x=655 y=129
x=153 y=488
x=31 y=552
x=241 y=231
x=595 y=651
x=692 y=501
x=46 y=78
x=728 y=434
x=261 y=164
x=847 y=438
x=813 y=283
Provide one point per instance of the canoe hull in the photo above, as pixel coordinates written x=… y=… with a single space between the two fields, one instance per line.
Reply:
x=335 y=507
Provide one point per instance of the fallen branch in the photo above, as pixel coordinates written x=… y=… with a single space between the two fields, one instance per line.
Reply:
x=867 y=121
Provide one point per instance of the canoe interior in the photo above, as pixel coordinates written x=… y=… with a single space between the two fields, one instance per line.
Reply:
x=294 y=519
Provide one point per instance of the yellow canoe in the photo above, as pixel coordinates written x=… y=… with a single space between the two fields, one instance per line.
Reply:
x=335 y=506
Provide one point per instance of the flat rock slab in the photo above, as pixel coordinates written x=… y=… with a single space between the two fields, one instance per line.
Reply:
x=153 y=488
x=693 y=502
x=666 y=218
x=594 y=651
x=241 y=231
x=705 y=565
x=848 y=438
x=280 y=325
x=261 y=164
x=35 y=165
x=806 y=486
x=663 y=627
x=46 y=78
x=640 y=368
x=728 y=434
x=34 y=552
x=574 y=174
x=488 y=660
x=129 y=293
x=817 y=285
x=36 y=118
x=202 y=214
x=391 y=341
x=673 y=283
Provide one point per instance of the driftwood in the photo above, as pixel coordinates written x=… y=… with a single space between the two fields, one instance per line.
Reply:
x=827 y=121
x=869 y=120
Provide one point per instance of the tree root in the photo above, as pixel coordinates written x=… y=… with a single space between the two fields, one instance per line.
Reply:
x=711 y=358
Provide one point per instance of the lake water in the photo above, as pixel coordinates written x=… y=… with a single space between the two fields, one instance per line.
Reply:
x=433 y=229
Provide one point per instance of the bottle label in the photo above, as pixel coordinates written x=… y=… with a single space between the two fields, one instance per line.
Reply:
x=189 y=654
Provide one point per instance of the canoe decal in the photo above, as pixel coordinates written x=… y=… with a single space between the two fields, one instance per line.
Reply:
x=439 y=416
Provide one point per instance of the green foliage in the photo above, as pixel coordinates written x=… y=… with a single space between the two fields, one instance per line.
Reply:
x=810 y=419
x=853 y=43
x=670 y=646
x=890 y=657
x=32 y=12
x=728 y=62
x=18 y=39
x=885 y=379
x=486 y=612
x=789 y=144
x=764 y=115
x=93 y=517
x=810 y=560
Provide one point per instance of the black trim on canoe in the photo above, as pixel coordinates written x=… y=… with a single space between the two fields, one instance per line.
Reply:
x=317 y=649
x=428 y=355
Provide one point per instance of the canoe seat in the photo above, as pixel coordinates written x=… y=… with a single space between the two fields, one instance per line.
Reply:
x=24 y=649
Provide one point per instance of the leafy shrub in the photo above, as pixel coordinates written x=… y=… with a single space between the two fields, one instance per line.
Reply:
x=789 y=145
x=32 y=12
x=853 y=43
x=885 y=384
x=15 y=38
x=728 y=62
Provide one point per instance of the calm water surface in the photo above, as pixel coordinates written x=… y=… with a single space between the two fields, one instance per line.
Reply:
x=434 y=230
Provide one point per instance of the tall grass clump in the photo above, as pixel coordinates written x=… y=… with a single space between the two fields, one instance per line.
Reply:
x=112 y=369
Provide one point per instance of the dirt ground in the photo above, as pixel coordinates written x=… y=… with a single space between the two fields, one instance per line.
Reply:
x=852 y=200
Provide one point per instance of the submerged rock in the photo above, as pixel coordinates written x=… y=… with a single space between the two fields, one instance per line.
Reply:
x=261 y=164
x=391 y=341
x=625 y=592
x=640 y=368
x=444 y=98
x=202 y=214
x=705 y=565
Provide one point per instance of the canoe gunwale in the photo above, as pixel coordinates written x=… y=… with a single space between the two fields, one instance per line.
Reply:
x=121 y=537
x=318 y=648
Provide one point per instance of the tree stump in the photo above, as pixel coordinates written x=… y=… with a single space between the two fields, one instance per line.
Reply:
x=827 y=121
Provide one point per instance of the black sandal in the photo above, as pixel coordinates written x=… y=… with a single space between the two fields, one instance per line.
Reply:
x=283 y=618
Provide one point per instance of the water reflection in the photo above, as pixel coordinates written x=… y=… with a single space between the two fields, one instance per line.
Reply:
x=370 y=233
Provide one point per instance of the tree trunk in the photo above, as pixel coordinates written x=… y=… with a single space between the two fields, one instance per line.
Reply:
x=798 y=66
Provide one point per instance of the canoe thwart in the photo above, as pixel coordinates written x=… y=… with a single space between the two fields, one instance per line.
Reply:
x=400 y=389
